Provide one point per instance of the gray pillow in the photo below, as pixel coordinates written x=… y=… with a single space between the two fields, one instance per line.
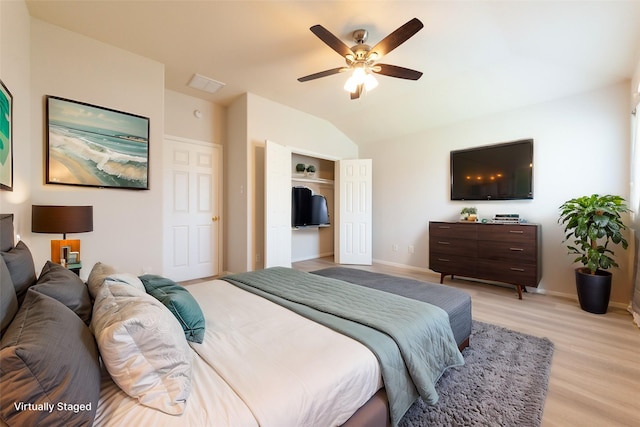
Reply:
x=8 y=300
x=48 y=356
x=20 y=264
x=65 y=286
x=6 y=232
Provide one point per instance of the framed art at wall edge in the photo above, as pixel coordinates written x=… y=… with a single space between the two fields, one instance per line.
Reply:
x=94 y=146
x=6 y=138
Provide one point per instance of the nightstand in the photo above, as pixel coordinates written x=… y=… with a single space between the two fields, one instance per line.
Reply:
x=75 y=267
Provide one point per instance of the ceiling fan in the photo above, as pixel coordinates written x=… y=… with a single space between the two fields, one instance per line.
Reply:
x=362 y=58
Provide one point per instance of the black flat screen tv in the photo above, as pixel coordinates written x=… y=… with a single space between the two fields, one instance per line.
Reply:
x=493 y=172
x=308 y=209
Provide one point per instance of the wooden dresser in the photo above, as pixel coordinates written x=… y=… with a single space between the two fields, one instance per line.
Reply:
x=508 y=253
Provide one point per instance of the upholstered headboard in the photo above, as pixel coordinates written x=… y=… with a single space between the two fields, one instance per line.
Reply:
x=6 y=232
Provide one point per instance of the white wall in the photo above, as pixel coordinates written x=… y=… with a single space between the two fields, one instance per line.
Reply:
x=252 y=120
x=286 y=126
x=180 y=120
x=127 y=224
x=581 y=146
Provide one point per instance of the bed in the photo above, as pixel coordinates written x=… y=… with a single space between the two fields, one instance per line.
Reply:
x=254 y=349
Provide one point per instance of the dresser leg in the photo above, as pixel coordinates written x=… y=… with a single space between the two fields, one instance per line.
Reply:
x=442 y=277
x=519 y=287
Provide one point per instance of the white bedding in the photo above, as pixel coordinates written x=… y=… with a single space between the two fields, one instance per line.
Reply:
x=259 y=364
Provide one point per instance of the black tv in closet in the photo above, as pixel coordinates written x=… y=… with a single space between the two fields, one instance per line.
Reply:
x=494 y=172
x=308 y=209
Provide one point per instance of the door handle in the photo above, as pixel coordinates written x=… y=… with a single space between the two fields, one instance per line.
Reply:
x=215 y=218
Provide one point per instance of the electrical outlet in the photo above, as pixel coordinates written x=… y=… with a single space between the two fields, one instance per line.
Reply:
x=394 y=247
x=411 y=249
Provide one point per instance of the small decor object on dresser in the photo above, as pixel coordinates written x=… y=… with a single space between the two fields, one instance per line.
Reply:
x=469 y=214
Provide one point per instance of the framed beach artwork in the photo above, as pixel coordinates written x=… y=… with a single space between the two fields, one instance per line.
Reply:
x=6 y=138
x=95 y=146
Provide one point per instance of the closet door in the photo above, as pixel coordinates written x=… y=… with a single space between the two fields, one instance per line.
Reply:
x=277 y=206
x=353 y=238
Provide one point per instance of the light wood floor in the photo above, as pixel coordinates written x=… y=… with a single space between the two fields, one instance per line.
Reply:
x=595 y=374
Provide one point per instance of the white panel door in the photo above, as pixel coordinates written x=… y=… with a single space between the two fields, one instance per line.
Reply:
x=353 y=239
x=192 y=173
x=277 y=205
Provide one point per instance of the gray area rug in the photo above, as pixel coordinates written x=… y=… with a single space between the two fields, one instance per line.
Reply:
x=503 y=383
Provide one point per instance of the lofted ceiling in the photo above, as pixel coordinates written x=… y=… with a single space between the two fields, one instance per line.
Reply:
x=478 y=57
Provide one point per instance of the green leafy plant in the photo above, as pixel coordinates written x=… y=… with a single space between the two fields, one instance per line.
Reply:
x=469 y=211
x=300 y=167
x=591 y=223
x=311 y=168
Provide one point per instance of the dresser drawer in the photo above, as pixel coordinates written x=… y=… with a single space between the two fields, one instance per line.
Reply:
x=508 y=272
x=522 y=252
x=508 y=232
x=459 y=265
x=457 y=230
x=450 y=246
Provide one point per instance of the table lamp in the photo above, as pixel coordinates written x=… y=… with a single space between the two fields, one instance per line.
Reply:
x=62 y=219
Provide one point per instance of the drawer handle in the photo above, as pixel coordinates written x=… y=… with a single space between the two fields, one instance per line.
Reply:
x=444 y=260
x=516 y=231
x=516 y=269
x=444 y=243
x=516 y=249
x=445 y=227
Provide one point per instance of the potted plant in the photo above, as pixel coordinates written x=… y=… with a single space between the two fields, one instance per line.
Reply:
x=591 y=224
x=300 y=167
x=469 y=214
x=311 y=170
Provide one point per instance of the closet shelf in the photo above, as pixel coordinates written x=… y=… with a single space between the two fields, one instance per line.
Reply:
x=312 y=180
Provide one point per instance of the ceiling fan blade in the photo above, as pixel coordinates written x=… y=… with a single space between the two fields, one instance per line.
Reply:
x=322 y=74
x=399 y=72
x=330 y=40
x=356 y=94
x=398 y=37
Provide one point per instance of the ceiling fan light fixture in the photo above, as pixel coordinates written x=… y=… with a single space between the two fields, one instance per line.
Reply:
x=370 y=82
x=362 y=58
x=359 y=74
x=351 y=85
x=360 y=77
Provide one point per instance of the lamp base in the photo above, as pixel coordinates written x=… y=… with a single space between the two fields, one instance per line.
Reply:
x=60 y=250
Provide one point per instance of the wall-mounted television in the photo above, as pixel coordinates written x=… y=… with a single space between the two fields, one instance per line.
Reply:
x=493 y=172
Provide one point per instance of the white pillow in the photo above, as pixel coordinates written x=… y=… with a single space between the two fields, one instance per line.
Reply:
x=127 y=278
x=142 y=346
x=96 y=278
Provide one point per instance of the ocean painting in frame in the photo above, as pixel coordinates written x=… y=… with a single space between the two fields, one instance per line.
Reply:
x=95 y=146
x=6 y=138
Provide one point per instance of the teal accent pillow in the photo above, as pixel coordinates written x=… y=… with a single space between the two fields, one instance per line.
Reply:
x=179 y=302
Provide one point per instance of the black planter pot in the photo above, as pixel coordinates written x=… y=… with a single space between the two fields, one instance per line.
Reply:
x=594 y=290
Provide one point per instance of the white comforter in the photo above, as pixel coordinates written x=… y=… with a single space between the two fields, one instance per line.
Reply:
x=259 y=364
